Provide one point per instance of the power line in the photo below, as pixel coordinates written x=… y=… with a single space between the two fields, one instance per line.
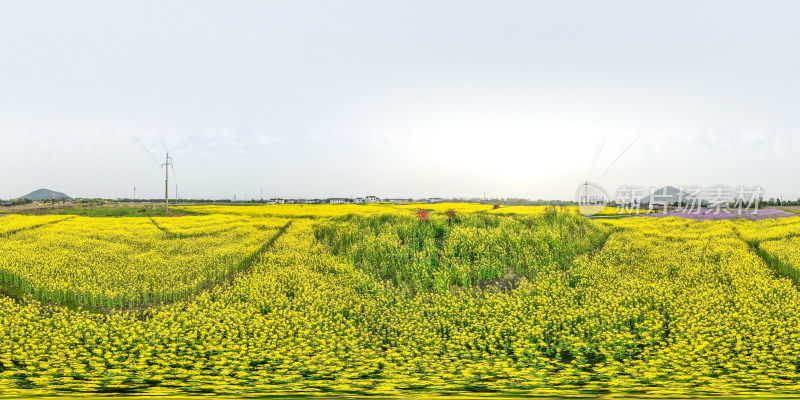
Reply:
x=163 y=143
x=175 y=178
x=168 y=164
x=596 y=155
x=618 y=157
x=145 y=149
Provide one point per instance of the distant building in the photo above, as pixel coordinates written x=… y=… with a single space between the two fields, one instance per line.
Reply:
x=337 y=200
x=435 y=200
x=372 y=199
x=277 y=201
x=358 y=200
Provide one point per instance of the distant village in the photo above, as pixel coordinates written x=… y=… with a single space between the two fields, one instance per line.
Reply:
x=45 y=197
x=352 y=200
x=667 y=195
x=401 y=200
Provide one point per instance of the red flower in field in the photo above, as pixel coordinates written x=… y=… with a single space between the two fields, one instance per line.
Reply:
x=422 y=215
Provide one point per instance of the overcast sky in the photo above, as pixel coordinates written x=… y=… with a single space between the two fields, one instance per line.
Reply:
x=402 y=98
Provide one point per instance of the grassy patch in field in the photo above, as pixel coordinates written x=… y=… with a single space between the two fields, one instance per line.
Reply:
x=464 y=250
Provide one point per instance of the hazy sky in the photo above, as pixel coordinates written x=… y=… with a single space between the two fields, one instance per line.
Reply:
x=402 y=98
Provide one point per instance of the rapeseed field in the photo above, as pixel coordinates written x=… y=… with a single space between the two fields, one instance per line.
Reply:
x=317 y=300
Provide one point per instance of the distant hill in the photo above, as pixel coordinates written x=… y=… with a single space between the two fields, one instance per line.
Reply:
x=45 y=194
x=670 y=195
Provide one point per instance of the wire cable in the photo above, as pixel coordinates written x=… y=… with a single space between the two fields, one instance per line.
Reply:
x=618 y=157
x=145 y=149
x=596 y=155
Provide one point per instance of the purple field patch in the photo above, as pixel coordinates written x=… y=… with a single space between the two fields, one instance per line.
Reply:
x=709 y=215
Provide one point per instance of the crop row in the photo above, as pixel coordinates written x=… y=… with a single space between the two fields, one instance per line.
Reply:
x=113 y=262
x=692 y=311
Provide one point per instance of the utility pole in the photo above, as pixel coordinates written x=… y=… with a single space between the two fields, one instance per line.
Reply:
x=166 y=184
x=134 y=194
